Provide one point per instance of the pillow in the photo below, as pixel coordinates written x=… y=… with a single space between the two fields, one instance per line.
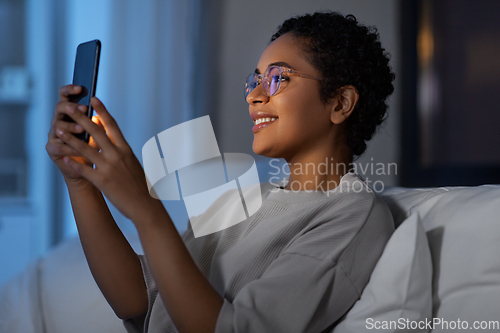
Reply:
x=58 y=294
x=70 y=298
x=399 y=293
x=463 y=231
x=19 y=311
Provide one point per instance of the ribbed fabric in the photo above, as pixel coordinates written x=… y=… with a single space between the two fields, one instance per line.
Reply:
x=297 y=265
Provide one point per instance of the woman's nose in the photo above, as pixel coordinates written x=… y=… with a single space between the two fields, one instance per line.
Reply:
x=257 y=96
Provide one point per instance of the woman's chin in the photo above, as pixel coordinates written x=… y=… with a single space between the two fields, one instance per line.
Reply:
x=261 y=149
x=266 y=151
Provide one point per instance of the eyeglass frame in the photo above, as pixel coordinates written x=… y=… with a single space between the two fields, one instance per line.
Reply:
x=281 y=69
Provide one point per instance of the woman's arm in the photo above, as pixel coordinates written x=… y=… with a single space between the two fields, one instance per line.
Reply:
x=192 y=302
x=112 y=261
x=190 y=299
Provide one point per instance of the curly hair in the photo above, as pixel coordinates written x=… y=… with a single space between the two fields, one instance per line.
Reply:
x=347 y=53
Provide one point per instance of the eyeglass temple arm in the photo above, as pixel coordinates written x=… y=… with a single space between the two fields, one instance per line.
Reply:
x=304 y=75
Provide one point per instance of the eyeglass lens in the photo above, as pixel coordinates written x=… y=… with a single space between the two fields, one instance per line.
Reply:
x=270 y=81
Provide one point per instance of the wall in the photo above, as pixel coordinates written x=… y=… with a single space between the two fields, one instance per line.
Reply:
x=246 y=27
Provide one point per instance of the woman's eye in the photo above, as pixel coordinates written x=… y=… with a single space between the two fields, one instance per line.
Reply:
x=285 y=78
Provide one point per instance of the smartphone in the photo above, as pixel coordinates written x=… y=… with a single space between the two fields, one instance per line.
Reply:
x=85 y=75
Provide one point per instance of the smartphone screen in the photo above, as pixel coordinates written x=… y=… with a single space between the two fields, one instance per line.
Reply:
x=85 y=75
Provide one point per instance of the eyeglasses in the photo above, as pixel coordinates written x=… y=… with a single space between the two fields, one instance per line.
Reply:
x=273 y=80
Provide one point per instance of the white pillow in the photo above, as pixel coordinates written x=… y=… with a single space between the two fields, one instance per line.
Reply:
x=19 y=310
x=399 y=293
x=70 y=298
x=463 y=230
x=58 y=294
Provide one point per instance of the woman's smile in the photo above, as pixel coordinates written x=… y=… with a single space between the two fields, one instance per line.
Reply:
x=262 y=120
x=263 y=123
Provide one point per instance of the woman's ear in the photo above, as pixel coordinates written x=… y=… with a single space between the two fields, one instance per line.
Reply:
x=344 y=104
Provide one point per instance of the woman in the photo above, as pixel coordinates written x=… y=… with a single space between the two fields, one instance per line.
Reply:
x=302 y=260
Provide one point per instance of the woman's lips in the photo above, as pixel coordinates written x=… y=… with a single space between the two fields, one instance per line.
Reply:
x=262 y=125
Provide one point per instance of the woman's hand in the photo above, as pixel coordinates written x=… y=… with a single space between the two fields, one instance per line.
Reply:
x=117 y=173
x=56 y=148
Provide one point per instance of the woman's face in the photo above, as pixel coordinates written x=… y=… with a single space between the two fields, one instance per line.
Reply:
x=302 y=122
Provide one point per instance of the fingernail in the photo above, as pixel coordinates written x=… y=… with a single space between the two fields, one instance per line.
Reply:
x=78 y=127
x=82 y=108
x=70 y=109
x=60 y=132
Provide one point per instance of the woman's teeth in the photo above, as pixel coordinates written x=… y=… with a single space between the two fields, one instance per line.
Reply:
x=264 y=120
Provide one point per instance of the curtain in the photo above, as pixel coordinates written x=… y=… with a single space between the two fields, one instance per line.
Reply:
x=151 y=74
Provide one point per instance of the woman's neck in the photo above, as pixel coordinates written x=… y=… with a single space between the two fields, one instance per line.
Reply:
x=318 y=172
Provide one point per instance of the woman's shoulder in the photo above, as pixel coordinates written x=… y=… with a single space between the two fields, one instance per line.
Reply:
x=353 y=211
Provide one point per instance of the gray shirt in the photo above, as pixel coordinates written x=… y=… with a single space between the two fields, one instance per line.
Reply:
x=297 y=265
